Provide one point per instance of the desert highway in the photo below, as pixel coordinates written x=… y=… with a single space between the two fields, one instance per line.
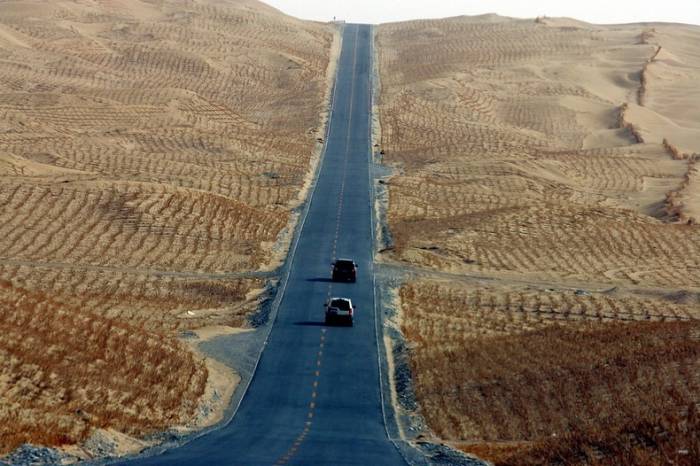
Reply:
x=315 y=398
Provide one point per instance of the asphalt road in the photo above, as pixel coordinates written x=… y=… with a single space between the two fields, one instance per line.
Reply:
x=315 y=398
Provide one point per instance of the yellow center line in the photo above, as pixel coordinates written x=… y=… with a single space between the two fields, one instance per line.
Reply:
x=312 y=404
x=347 y=152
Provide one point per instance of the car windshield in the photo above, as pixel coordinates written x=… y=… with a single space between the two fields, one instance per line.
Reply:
x=341 y=304
x=344 y=265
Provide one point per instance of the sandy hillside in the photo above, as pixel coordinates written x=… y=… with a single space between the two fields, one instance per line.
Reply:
x=151 y=153
x=535 y=158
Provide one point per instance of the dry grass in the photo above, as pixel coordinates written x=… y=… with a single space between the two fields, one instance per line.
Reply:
x=149 y=301
x=149 y=150
x=66 y=370
x=649 y=442
x=436 y=309
x=552 y=373
x=556 y=153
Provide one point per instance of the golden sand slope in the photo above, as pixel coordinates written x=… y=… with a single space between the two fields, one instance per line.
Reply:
x=149 y=151
x=534 y=157
x=511 y=140
x=140 y=137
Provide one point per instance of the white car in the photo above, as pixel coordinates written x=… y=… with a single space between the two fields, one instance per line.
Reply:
x=339 y=310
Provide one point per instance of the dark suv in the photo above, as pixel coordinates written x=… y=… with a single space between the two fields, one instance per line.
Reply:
x=344 y=270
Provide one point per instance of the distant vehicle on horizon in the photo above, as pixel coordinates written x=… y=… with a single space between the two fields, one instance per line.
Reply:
x=339 y=310
x=344 y=270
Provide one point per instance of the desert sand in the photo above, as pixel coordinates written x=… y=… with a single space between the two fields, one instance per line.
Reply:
x=151 y=154
x=545 y=191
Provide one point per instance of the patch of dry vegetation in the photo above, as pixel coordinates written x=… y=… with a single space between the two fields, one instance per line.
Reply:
x=539 y=378
x=434 y=310
x=151 y=152
x=654 y=440
x=65 y=371
x=557 y=153
x=167 y=303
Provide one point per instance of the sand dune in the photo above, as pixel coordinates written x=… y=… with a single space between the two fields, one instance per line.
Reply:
x=534 y=130
x=533 y=158
x=148 y=152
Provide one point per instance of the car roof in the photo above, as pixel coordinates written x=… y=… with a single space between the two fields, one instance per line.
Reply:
x=344 y=259
x=341 y=299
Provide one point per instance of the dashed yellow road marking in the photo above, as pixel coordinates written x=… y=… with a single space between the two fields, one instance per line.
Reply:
x=314 y=394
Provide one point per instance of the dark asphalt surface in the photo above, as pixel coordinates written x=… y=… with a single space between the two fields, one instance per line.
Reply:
x=315 y=398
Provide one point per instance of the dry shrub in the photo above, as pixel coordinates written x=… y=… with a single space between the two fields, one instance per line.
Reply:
x=65 y=371
x=674 y=199
x=643 y=79
x=624 y=123
x=675 y=152
x=646 y=36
